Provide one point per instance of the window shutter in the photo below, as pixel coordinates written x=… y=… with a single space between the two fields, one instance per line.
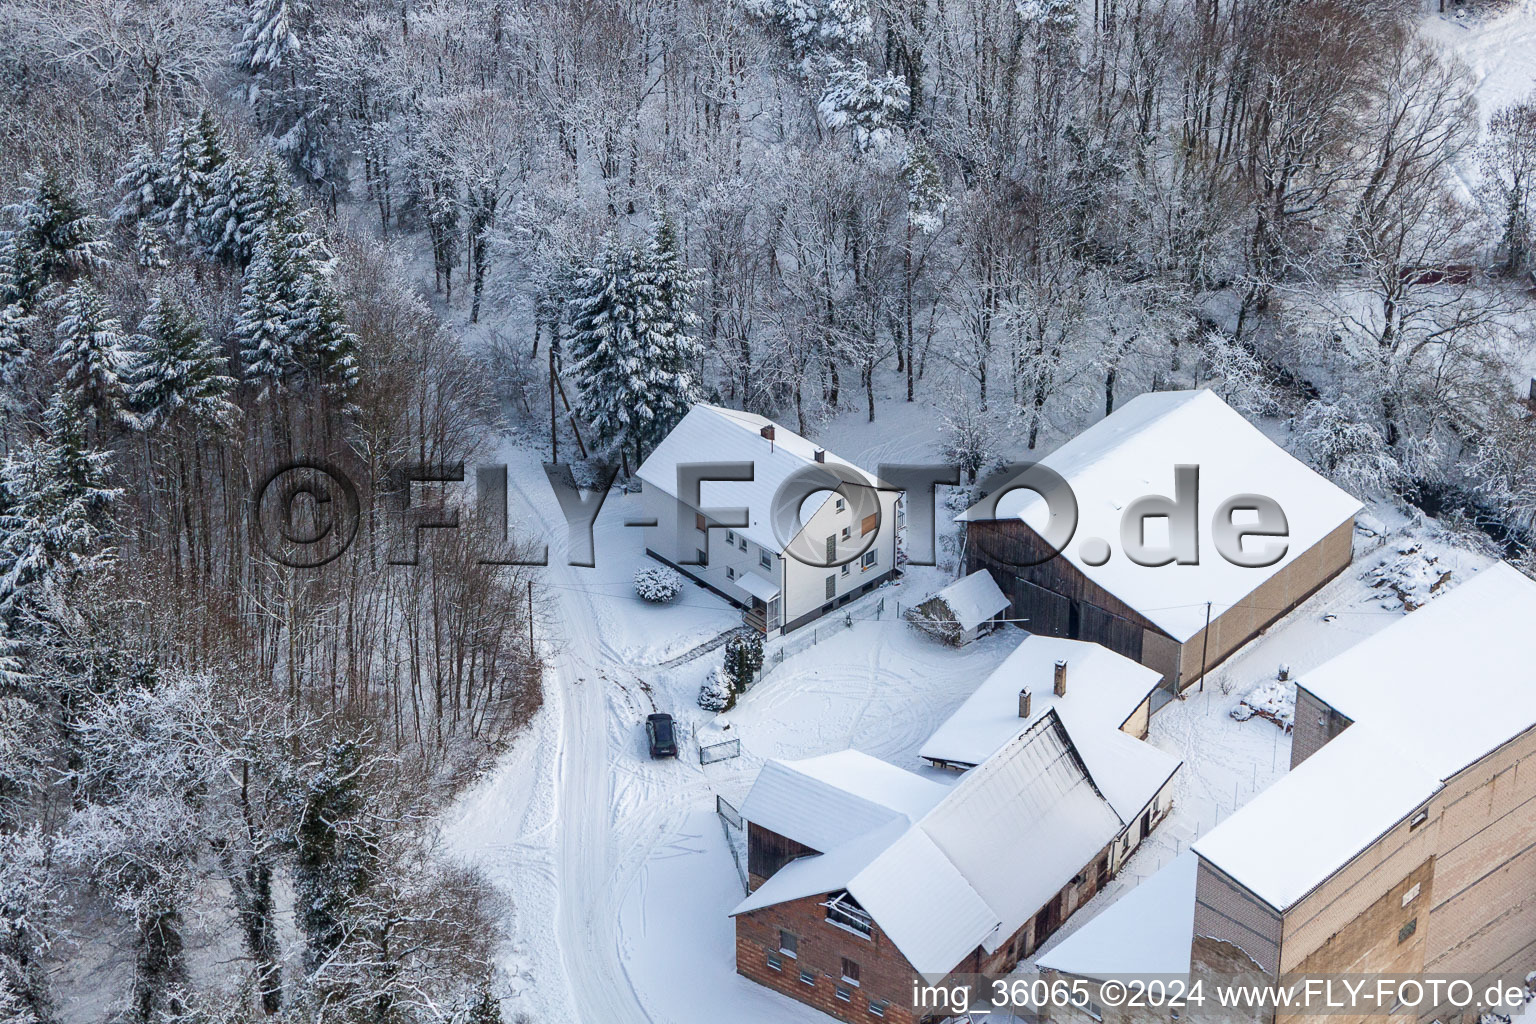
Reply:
x=870 y=525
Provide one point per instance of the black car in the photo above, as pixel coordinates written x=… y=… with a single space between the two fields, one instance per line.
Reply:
x=661 y=735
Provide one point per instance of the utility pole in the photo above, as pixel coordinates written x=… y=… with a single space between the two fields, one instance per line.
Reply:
x=1205 y=644
x=532 y=655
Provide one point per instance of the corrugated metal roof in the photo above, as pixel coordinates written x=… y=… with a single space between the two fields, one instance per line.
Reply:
x=924 y=903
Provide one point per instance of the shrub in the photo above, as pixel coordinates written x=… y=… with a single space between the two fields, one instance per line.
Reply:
x=716 y=693
x=658 y=584
x=743 y=657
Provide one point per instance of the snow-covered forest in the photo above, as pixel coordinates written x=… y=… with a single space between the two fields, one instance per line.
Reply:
x=237 y=236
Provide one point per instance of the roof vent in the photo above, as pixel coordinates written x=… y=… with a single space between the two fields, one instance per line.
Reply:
x=1024 y=702
x=1061 y=679
x=767 y=431
x=821 y=455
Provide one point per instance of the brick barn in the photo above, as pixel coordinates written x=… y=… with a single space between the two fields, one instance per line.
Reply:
x=1157 y=615
x=865 y=877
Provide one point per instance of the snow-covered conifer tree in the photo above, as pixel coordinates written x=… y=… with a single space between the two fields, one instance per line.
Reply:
x=265 y=327
x=54 y=501
x=632 y=343
x=868 y=107
x=183 y=184
x=329 y=348
x=180 y=374
x=231 y=213
x=140 y=184
x=54 y=238
x=15 y=354
x=93 y=356
x=271 y=34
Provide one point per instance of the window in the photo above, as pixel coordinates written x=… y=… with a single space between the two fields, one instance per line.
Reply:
x=774 y=963
x=741 y=542
x=869 y=558
x=730 y=572
x=698 y=521
x=730 y=536
x=764 y=559
x=877 y=1007
x=844 y=911
x=847 y=532
x=831 y=587
x=870 y=524
x=1406 y=931
x=845 y=569
x=831 y=549
x=850 y=971
x=841 y=504
x=1411 y=894
x=1417 y=820
x=844 y=994
x=703 y=556
x=807 y=977
x=789 y=943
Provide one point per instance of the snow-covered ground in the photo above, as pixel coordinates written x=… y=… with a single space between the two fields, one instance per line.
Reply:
x=1497 y=42
x=618 y=871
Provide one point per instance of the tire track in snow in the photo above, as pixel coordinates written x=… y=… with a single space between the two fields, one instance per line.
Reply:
x=586 y=924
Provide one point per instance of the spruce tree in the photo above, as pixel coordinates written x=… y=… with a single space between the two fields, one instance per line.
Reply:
x=329 y=348
x=271 y=34
x=54 y=239
x=335 y=853
x=180 y=373
x=265 y=327
x=15 y=355
x=632 y=344
x=182 y=184
x=54 y=502
x=93 y=357
x=192 y=160
x=140 y=184
x=231 y=213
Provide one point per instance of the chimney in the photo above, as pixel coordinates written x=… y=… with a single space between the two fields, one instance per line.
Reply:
x=1024 y=703
x=1061 y=679
x=821 y=455
x=767 y=431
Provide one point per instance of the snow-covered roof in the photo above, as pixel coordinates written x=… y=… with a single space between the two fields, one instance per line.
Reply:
x=1429 y=695
x=969 y=870
x=1149 y=930
x=710 y=433
x=757 y=586
x=825 y=801
x=972 y=599
x=1474 y=638
x=1105 y=688
x=1127 y=771
x=1132 y=453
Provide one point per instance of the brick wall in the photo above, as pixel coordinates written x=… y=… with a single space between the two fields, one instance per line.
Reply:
x=884 y=974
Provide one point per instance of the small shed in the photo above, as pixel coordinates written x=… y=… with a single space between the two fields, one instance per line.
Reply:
x=962 y=611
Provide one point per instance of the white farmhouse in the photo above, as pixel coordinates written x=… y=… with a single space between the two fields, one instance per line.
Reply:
x=783 y=573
